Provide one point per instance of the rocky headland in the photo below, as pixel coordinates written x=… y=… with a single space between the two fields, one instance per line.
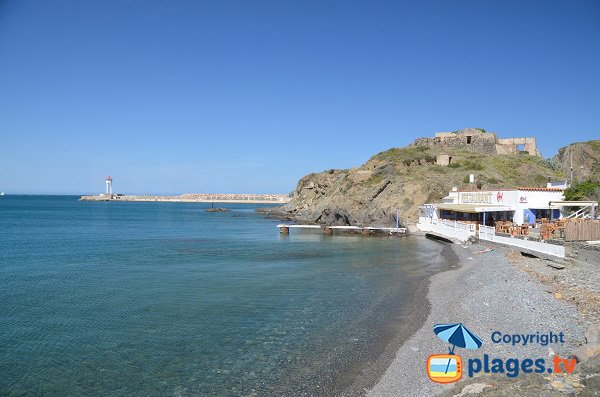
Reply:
x=401 y=179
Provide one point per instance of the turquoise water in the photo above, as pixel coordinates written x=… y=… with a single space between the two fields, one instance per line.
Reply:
x=101 y=298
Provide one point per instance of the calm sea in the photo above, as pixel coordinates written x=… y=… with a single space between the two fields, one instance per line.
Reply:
x=101 y=298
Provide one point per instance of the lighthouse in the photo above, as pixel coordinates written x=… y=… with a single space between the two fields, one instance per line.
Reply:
x=109 y=185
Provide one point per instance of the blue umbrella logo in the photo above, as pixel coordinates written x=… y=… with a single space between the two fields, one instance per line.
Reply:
x=457 y=335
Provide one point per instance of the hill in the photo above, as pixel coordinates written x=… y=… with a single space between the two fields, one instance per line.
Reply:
x=404 y=178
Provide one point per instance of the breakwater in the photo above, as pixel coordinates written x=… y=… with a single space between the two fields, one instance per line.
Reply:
x=195 y=198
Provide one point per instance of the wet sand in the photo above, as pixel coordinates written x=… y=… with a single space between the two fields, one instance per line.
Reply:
x=486 y=293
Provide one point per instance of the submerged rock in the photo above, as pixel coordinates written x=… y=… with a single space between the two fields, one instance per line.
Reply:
x=217 y=209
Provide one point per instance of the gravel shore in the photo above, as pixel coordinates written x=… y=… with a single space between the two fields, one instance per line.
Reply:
x=488 y=293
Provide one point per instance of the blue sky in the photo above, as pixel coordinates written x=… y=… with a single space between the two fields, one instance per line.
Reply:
x=249 y=96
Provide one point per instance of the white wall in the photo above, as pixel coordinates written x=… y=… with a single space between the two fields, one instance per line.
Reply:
x=520 y=199
x=489 y=234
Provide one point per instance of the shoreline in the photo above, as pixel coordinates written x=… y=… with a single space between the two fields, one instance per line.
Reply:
x=534 y=305
x=365 y=375
x=360 y=378
x=395 y=321
x=492 y=295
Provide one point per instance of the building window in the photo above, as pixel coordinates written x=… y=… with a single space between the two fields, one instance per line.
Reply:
x=449 y=160
x=468 y=140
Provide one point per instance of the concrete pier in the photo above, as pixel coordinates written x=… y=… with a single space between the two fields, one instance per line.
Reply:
x=328 y=230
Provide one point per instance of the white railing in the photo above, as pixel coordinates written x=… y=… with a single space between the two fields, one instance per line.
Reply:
x=471 y=227
x=581 y=213
x=488 y=233
x=451 y=229
x=425 y=220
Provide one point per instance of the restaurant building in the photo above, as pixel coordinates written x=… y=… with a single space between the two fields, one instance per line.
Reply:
x=523 y=218
x=486 y=207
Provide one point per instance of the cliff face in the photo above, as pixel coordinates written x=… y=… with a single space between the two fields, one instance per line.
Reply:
x=585 y=159
x=404 y=178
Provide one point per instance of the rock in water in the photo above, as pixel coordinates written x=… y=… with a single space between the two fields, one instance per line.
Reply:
x=218 y=210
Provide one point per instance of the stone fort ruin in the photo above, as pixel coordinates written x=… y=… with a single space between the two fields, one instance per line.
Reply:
x=476 y=140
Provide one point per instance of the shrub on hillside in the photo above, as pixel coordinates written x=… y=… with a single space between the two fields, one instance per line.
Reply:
x=581 y=191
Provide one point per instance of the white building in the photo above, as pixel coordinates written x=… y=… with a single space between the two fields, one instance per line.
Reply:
x=485 y=207
x=465 y=214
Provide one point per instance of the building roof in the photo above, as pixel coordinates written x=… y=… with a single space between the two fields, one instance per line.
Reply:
x=474 y=208
x=573 y=203
x=542 y=189
x=530 y=189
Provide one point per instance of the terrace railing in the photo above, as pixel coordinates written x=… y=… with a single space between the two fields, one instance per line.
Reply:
x=447 y=228
x=488 y=233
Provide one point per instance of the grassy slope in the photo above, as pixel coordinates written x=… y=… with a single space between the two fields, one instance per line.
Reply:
x=403 y=179
x=417 y=166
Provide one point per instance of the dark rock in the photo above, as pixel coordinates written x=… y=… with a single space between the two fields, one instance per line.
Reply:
x=217 y=210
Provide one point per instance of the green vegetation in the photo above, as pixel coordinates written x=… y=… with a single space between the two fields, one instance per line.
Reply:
x=551 y=163
x=594 y=144
x=440 y=169
x=402 y=178
x=473 y=165
x=581 y=191
x=407 y=156
x=416 y=165
x=488 y=180
x=539 y=179
x=504 y=165
x=375 y=179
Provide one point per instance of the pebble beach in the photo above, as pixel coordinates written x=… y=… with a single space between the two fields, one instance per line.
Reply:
x=499 y=291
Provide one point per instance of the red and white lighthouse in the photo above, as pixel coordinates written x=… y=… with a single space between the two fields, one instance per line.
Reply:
x=109 y=185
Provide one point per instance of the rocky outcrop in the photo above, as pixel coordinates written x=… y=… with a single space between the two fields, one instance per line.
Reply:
x=401 y=179
x=592 y=347
x=584 y=157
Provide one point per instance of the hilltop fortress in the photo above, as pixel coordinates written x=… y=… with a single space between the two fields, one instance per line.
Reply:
x=476 y=140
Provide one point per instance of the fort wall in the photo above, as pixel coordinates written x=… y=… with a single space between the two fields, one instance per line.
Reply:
x=478 y=141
